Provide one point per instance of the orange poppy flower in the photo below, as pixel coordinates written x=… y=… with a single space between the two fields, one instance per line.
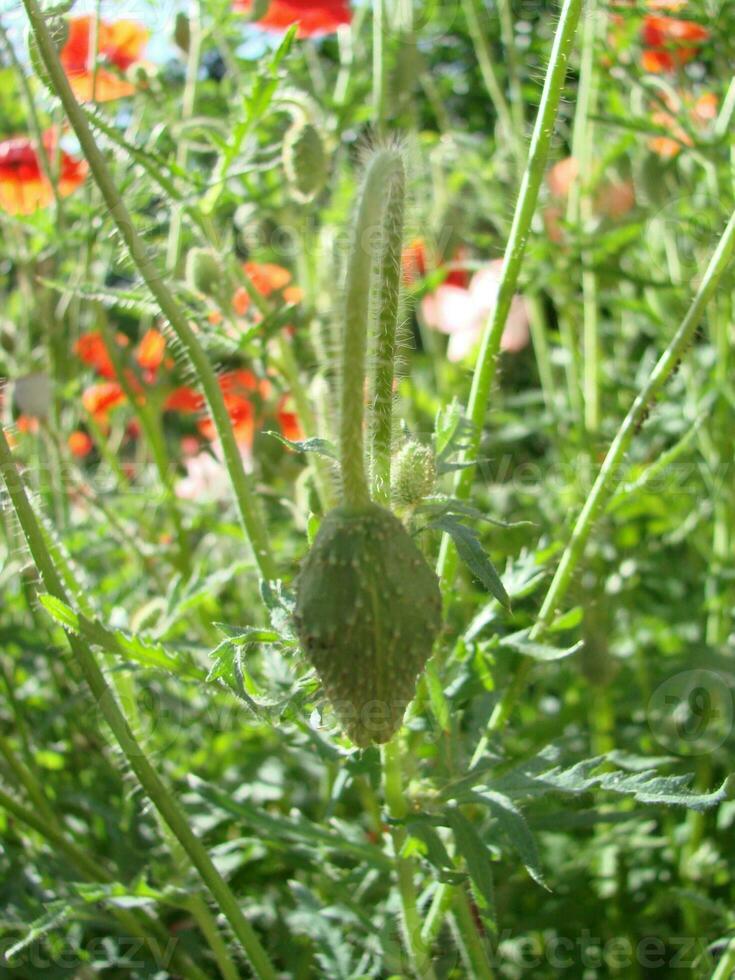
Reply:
x=80 y=444
x=243 y=382
x=119 y=45
x=151 y=350
x=184 y=400
x=417 y=261
x=670 y=43
x=101 y=398
x=323 y=17
x=23 y=185
x=701 y=112
x=242 y=416
x=289 y=420
x=91 y=349
x=27 y=423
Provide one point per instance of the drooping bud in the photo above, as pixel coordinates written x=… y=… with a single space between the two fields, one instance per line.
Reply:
x=368 y=609
x=202 y=271
x=413 y=474
x=305 y=160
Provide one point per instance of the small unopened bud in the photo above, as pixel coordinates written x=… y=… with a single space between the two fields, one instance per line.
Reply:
x=413 y=474
x=305 y=160
x=202 y=271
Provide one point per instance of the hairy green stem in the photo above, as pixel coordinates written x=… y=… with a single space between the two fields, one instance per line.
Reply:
x=164 y=802
x=384 y=174
x=417 y=949
x=385 y=342
x=487 y=360
x=169 y=306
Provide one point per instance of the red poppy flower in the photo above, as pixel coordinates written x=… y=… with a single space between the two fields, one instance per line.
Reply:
x=23 y=185
x=242 y=416
x=670 y=43
x=101 y=398
x=119 y=45
x=151 y=350
x=79 y=443
x=323 y=17
x=417 y=262
x=243 y=382
x=91 y=349
x=27 y=423
x=184 y=400
x=289 y=420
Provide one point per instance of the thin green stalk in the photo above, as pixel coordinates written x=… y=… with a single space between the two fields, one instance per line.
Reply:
x=154 y=438
x=187 y=111
x=479 y=961
x=515 y=88
x=474 y=14
x=208 y=926
x=487 y=360
x=290 y=369
x=170 y=308
x=379 y=67
x=164 y=802
x=385 y=171
x=725 y=969
x=395 y=799
x=579 y=212
x=604 y=485
x=27 y=779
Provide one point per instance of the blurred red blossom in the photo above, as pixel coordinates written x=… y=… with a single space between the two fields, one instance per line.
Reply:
x=322 y=17
x=701 y=112
x=119 y=45
x=24 y=187
x=670 y=43
x=418 y=260
x=100 y=399
x=151 y=350
x=91 y=349
x=288 y=419
x=80 y=444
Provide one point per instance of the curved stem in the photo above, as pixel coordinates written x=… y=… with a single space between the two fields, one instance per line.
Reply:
x=151 y=783
x=487 y=360
x=169 y=306
x=384 y=176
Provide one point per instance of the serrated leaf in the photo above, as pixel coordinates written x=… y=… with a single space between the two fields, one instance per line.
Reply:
x=320 y=446
x=56 y=913
x=473 y=555
x=476 y=856
x=59 y=611
x=514 y=826
x=438 y=506
x=538 y=651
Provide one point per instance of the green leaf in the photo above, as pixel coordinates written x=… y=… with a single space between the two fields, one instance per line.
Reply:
x=320 y=446
x=473 y=555
x=56 y=913
x=58 y=610
x=514 y=826
x=538 y=651
x=470 y=846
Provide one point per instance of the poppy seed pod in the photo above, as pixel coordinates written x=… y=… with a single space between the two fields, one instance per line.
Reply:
x=368 y=609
